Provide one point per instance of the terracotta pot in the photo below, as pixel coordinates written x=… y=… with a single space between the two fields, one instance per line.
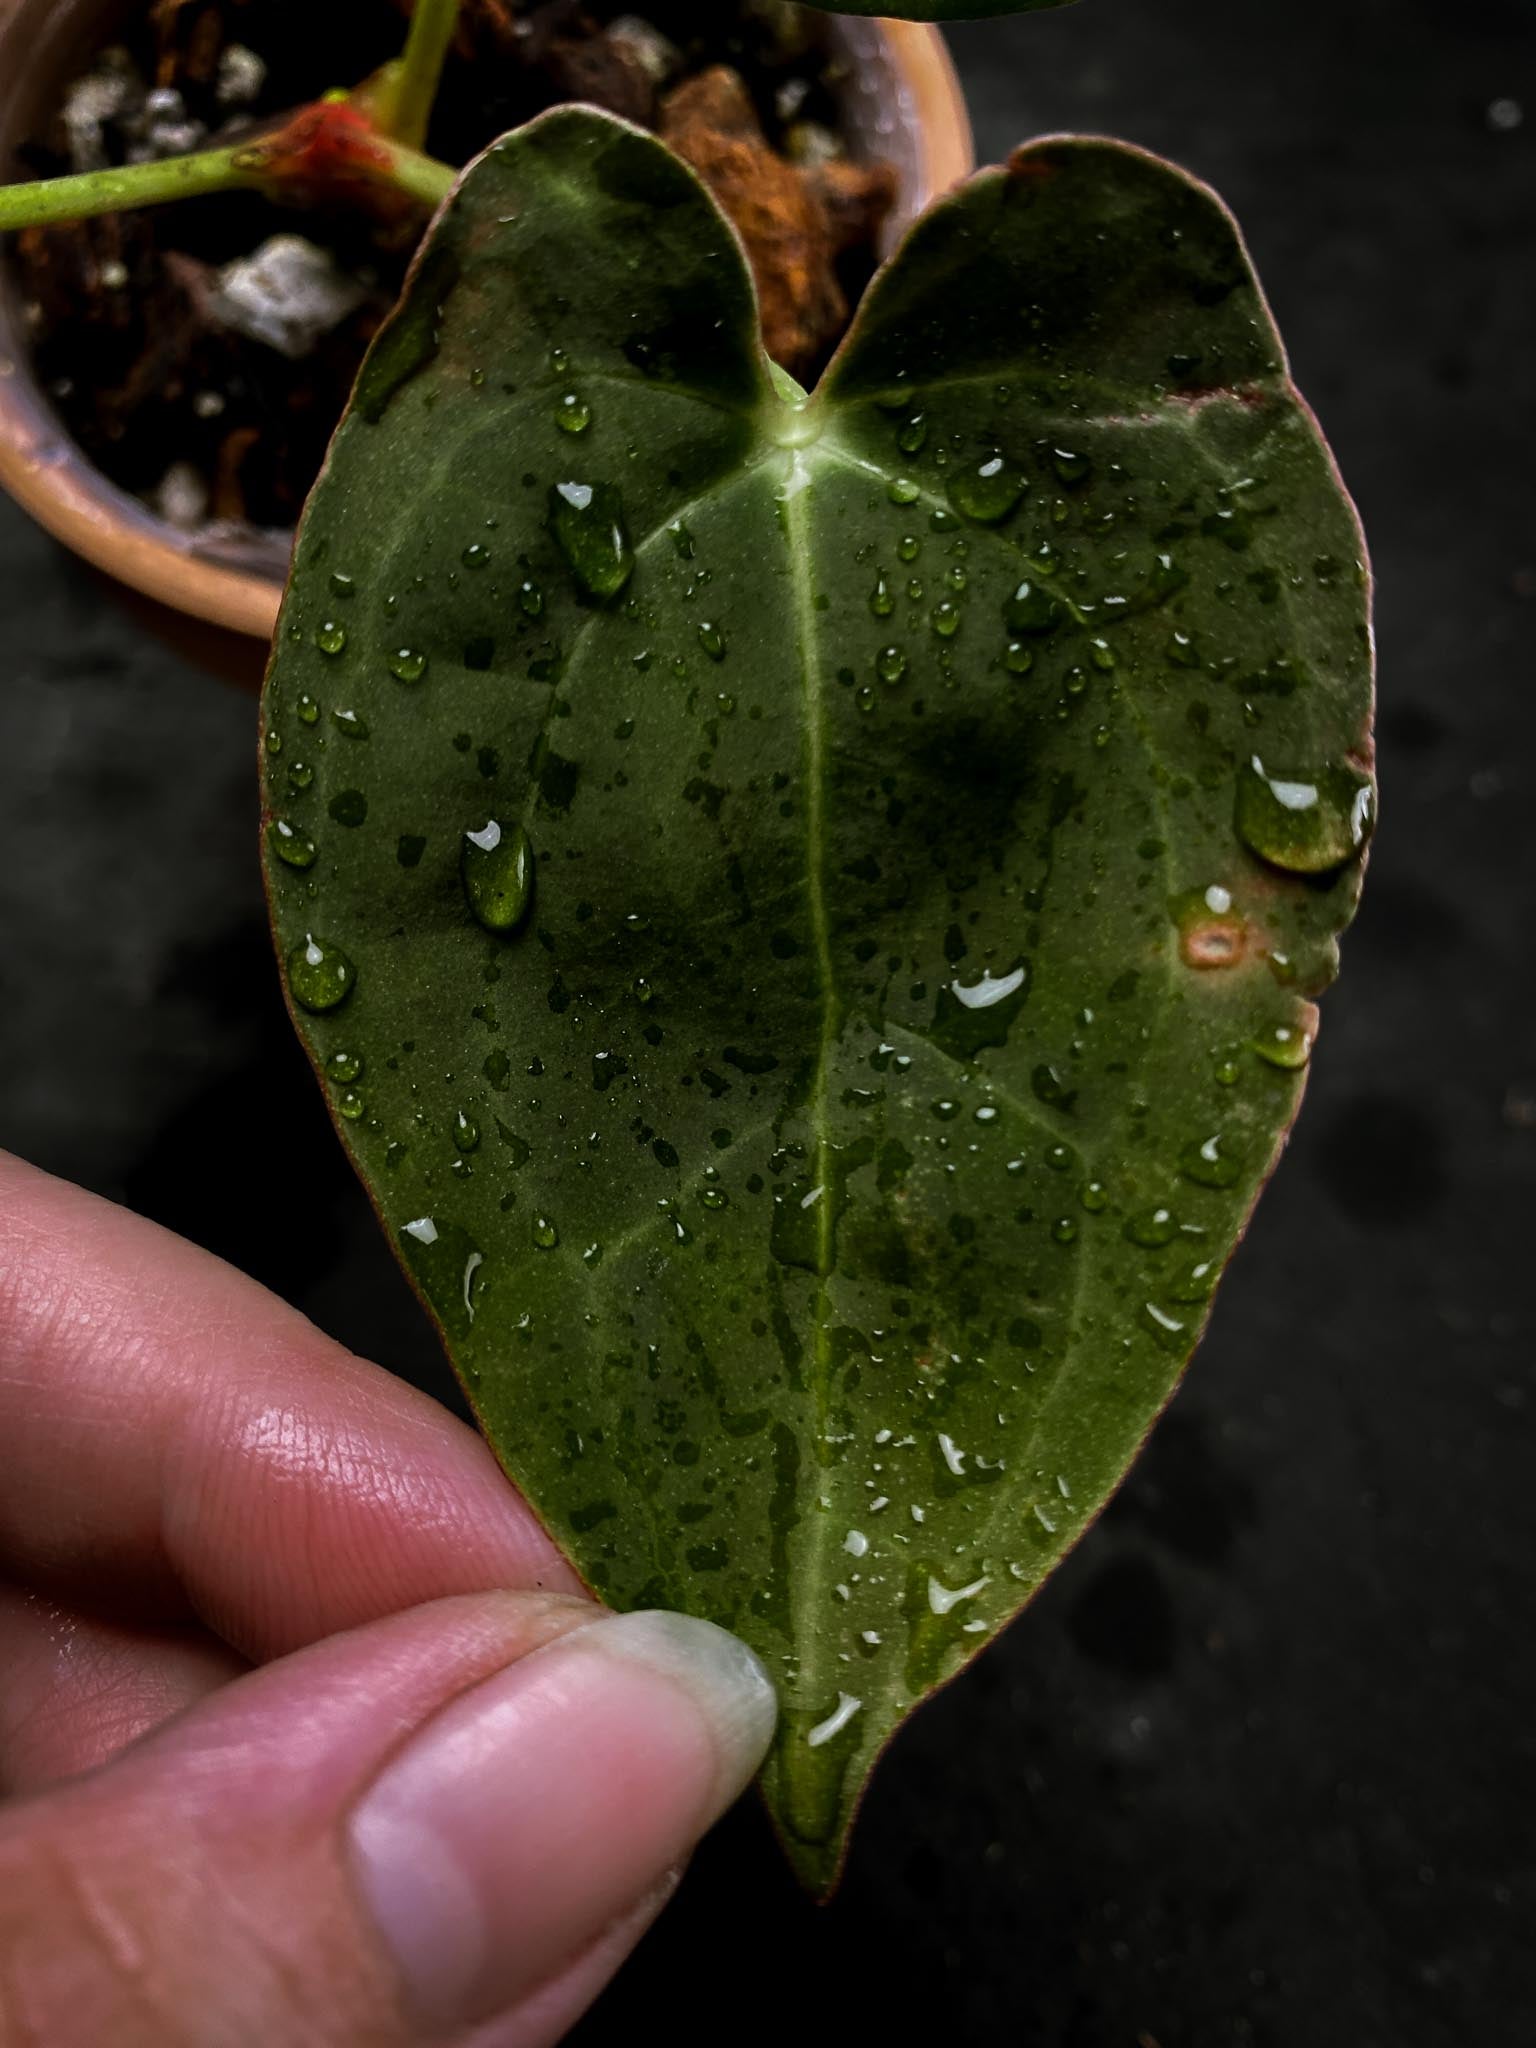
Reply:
x=903 y=104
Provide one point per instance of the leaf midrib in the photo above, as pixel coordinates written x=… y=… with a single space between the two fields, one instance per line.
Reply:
x=797 y=541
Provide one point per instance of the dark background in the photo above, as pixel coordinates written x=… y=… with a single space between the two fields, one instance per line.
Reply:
x=1257 y=1768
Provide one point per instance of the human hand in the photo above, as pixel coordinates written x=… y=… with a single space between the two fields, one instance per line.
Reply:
x=307 y=1733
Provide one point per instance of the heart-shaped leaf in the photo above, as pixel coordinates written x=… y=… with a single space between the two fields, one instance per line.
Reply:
x=806 y=910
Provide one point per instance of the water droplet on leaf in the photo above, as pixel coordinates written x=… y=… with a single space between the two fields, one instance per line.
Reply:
x=987 y=491
x=408 y=664
x=320 y=975
x=588 y=524
x=497 y=868
x=1307 y=823
x=1153 y=1228
x=1211 y=1163
x=1033 y=609
x=295 y=849
x=1284 y=1045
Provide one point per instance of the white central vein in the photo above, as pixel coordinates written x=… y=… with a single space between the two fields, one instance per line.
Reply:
x=798 y=540
x=814 y=1575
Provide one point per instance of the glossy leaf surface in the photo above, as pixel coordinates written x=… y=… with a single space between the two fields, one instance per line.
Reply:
x=806 y=913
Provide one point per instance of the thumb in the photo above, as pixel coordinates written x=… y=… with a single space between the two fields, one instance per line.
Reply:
x=456 y=1820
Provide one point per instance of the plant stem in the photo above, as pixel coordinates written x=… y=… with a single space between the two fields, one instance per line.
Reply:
x=420 y=177
x=320 y=148
x=115 y=191
x=407 y=109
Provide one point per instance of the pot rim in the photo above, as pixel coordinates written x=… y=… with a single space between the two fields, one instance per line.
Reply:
x=48 y=475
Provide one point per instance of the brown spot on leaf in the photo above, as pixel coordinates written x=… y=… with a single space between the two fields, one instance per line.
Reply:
x=1250 y=396
x=1028 y=166
x=1214 y=942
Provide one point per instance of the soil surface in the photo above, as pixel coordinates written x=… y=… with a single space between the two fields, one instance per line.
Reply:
x=202 y=353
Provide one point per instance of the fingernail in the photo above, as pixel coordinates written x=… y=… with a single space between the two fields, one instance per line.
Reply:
x=536 y=1809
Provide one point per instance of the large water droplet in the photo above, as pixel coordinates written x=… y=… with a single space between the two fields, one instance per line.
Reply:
x=331 y=637
x=295 y=849
x=1196 y=1283
x=320 y=975
x=988 y=491
x=970 y=1016
x=1307 y=823
x=1033 y=609
x=408 y=664
x=573 y=413
x=1284 y=1045
x=835 y=1722
x=497 y=866
x=1211 y=1163
x=795 y=1232
x=1168 y=1329
x=588 y=524
x=1153 y=1228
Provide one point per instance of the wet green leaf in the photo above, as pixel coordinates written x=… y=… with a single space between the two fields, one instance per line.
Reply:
x=818 y=907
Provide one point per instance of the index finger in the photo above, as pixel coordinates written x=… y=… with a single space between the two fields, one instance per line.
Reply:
x=179 y=1444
